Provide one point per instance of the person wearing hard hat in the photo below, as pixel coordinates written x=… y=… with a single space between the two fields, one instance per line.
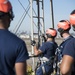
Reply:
x=13 y=51
x=68 y=60
x=63 y=29
x=48 y=51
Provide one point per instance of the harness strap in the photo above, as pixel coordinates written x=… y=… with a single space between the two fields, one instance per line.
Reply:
x=43 y=69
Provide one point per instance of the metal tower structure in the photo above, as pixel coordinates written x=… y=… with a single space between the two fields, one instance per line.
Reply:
x=40 y=21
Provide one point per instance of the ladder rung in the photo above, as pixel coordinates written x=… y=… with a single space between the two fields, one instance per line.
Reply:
x=37 y=17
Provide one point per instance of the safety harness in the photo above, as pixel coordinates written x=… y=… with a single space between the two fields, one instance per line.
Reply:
x=46 y=61
x=59 y=55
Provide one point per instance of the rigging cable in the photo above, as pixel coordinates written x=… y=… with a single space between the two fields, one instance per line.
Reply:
x=20 y=20
x=23 y=18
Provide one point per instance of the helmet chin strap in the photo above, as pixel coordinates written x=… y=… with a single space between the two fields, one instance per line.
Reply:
x=61 y=34
x=73 y=26
x=11 y=15
x=48 y=36
x=60 y=30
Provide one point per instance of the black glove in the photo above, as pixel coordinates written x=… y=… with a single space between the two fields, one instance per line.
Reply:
x=33 y=42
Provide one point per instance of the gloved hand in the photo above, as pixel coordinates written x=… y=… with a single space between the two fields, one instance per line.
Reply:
x=33 y=42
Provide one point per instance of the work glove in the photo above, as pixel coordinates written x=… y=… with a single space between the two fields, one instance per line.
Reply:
x=33 y=42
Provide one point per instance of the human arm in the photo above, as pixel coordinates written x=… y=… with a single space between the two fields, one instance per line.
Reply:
x=37 y=51
x=68 y=57
x=20 y=68
x=22 y=56
x=66 y=65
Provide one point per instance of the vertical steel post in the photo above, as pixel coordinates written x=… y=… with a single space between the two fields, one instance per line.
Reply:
x=38 y=8
x=43 y=25
x=52 y=15
x=32 y=30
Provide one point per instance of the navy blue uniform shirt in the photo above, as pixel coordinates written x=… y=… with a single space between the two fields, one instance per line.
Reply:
x=70 y=50
x=12 y=50
x=48 y=49
x=62 y=46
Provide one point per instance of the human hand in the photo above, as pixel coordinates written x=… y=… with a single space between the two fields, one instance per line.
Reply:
x=33 y=42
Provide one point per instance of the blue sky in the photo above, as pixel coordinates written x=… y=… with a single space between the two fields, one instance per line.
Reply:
x=61 y=8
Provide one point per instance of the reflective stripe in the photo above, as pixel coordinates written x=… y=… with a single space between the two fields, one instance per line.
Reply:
x=44 y=59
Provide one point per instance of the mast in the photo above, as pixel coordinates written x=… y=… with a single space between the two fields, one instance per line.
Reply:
x=52 y=15
x=32 y=31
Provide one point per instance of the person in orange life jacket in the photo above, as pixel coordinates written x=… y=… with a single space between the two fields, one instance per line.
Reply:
x=68 y=60
x=63 y=29
x=13 y=51
x=48 y=50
